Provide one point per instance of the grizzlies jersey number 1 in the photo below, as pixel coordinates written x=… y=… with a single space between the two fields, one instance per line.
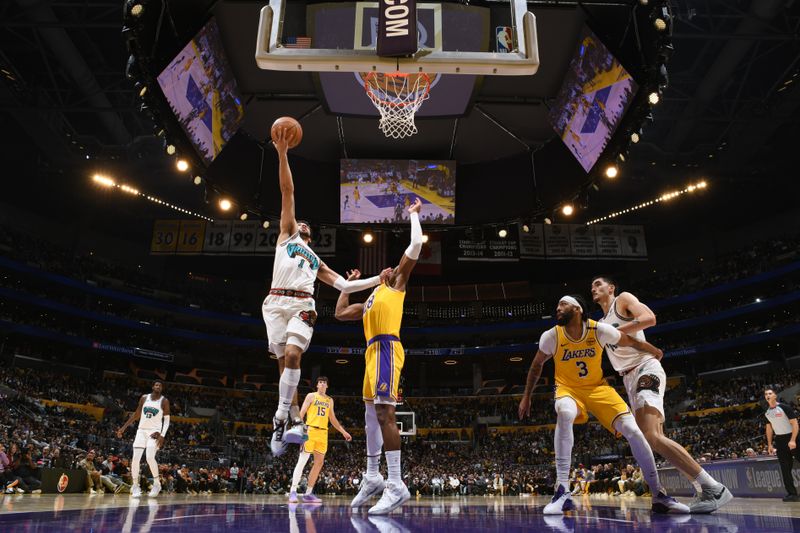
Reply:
x=578 y=362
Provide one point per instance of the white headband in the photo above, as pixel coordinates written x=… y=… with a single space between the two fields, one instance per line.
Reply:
x=572 y=301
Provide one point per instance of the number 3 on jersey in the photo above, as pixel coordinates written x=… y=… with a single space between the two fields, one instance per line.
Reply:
x=582 y=370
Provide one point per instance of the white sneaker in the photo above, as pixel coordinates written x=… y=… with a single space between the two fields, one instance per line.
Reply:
x=136 y=491
x=561 y=502
x=394 y=495
x=370 y=486
x=155 y=490
x=709 y=500
x=664 y=504
x=297 y=435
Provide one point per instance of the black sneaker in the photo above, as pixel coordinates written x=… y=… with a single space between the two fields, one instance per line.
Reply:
x=791 y=498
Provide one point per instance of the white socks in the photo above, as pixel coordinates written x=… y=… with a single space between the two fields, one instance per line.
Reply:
x=705 y=480
x=298 y=470
x=287 y=387
x=393 y=465
x=374 y=439
x=137 y=458
x=626 y=425
x=150 y=455
x=567 y=411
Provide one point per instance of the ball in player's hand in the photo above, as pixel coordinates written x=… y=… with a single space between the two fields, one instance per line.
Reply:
x=292 y=130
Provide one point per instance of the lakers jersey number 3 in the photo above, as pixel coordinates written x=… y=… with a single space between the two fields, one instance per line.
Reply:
x=579 y=362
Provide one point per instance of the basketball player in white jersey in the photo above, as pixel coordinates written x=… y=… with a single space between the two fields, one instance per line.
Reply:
x=289 y=311
x=645 y=381
x=153 y=416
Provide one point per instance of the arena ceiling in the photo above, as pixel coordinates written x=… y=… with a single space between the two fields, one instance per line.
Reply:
x=730 y=111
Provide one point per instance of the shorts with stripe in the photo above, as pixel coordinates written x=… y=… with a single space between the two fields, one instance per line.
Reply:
x=384 y=362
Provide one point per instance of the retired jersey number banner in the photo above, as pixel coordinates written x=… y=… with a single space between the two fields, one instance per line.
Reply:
x=226 y=237
x=579 y=241
x=397 y=28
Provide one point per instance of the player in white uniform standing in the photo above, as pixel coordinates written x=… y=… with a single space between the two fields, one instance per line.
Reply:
x=153 y=416
x=288 y=310
x=645 y=381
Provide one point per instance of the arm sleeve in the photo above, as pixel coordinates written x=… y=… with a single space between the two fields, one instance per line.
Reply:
x=547 y=342
x=607 y=334
x=415 y=247
x=355 y=285
x=165 y=426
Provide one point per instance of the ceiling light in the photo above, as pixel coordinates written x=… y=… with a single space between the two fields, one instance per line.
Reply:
x=182 y=165
x=450 y=362
x=567 y=210
x=265 y=224
x=515 y=359
x=243 y=216
x=103 y=180
x=170 y=149
x=526 y=228
x=137 y=10
x=225 y=204
x=653 y=98
x=425 y=238
x=197 y=180
x=367 y=237
x=635 y=137
x=502 y=233
x=342 y=361
x=611 y=172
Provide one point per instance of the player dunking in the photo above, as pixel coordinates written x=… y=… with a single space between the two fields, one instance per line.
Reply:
x=576 y=346
x=288 y=310
x=382 y=315
x=645 y=381
x=153 y=416
x=317 y=410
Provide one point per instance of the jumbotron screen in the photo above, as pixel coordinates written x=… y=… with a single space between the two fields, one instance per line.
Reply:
x=202 y=92
x=377 y=191
x=594 y=96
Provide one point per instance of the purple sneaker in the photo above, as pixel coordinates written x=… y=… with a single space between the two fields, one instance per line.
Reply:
x=310 y=498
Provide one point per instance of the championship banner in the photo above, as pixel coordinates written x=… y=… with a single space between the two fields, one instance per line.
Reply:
x=581 y=240
x=430 y=258
x=531 y=244
x=227 y=237
x=397 y=28
x=488 y=245
x=556 y=238
x=608 y=241
x=632 y=238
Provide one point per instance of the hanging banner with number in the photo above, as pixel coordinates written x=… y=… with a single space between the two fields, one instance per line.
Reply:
x=228 y=237
x=190 y=237
x=165 y=236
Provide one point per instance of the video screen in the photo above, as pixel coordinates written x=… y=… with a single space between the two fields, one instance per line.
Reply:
x=594 y=96
x=203 y=93
x=376 y=191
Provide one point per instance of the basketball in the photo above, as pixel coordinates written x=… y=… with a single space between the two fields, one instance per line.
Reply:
x=294 y=132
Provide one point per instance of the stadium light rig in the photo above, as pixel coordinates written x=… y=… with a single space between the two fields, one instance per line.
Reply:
x=663 y=198
x=105 y=181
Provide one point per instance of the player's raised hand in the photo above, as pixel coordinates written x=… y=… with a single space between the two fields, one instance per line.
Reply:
x=280 y=142
x=386 y=275
x=353 y=274
x=524 y=407
x=416 y=207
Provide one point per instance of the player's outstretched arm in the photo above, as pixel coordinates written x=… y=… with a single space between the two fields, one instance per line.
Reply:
x=306 y=405
x=288 y=221
x=329 y=277
x=134 y=416
x=643 y=316
x=534 y=373
x=340 y=428
x=409 y=259
x=344 y=309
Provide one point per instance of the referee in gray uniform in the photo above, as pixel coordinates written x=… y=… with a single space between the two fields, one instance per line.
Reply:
x=782 y=423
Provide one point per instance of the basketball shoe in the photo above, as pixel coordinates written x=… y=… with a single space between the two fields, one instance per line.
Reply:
x=394 y=496
x=709 y=500
x=370 y=486
x=667 y=504
x=561 y=502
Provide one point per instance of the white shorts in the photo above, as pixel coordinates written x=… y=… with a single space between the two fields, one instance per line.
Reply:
x=289 y=320
x=143 y=439
x=646 y=385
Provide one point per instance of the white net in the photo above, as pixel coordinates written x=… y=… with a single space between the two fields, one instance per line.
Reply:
x=397 y=97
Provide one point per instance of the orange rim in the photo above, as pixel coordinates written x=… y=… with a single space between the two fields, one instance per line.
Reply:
x=374 y=97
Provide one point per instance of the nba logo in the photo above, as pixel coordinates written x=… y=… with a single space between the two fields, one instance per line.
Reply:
x=63 y=482
x=504 y=40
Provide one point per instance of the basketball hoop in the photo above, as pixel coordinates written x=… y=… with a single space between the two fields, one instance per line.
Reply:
x=397 y=97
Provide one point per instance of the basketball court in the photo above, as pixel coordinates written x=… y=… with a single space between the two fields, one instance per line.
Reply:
x=245 y=513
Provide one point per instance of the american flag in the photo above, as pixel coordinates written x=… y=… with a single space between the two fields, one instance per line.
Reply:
x=372 y=256
x=297 y=42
